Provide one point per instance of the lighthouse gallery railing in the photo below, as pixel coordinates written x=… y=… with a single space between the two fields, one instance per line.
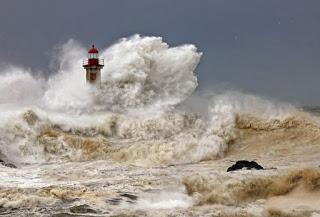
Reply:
x=86 y=62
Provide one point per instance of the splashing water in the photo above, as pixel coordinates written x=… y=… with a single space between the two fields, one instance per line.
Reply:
x=135 y=136
x=131 y=118
x=140 y=72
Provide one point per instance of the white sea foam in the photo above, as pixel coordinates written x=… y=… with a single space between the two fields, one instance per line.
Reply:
x=142 y=82
x=136 y=118
x=165 y=199
x=18 y=86
x=139 y=72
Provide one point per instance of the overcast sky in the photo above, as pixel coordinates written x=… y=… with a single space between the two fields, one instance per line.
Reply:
x=265 y=47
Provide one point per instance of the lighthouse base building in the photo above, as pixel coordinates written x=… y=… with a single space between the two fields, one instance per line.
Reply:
x=93 y=66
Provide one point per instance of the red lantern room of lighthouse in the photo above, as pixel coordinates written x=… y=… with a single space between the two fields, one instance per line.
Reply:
x=93 y=66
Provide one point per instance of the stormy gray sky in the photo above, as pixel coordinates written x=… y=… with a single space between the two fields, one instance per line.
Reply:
x=269 y=48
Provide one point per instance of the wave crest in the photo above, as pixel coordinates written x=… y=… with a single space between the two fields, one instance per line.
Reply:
x=140 y=72
x=237 y=191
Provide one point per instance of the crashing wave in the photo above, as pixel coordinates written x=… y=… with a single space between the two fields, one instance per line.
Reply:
x=134 y=117
x=171 y=138
x=140 y=72
x=244 y=190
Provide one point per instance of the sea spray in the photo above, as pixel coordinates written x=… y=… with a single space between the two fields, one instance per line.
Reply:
x=81 y=146
x=132 y=118
x=139 y=73
x=19 y=87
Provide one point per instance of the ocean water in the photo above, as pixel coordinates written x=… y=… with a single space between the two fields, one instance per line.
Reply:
x=144 y=144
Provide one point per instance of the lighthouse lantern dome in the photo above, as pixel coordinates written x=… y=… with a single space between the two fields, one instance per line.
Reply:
x=93 y=52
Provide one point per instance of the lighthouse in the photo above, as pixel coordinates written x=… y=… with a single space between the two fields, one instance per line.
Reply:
x=93 y=66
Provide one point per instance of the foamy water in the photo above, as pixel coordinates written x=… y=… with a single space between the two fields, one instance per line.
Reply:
x=131 y=147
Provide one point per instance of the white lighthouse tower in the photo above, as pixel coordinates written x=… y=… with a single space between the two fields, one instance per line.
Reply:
x=93 y=66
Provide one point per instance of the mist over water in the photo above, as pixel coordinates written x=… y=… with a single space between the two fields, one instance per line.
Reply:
x=142 y=83
x=145 y=115
x=140 y=72
x=19 y=87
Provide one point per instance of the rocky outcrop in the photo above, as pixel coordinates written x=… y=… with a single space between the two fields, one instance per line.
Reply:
x=244 y=164
x=7 y=164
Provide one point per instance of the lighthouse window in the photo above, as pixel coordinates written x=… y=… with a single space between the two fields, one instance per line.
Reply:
x=93 y=56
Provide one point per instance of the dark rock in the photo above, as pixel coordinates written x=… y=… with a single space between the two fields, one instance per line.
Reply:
x=9 y=165
x=6 y=164
x=130 y=196
x=244 y=164
x=84 y=208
